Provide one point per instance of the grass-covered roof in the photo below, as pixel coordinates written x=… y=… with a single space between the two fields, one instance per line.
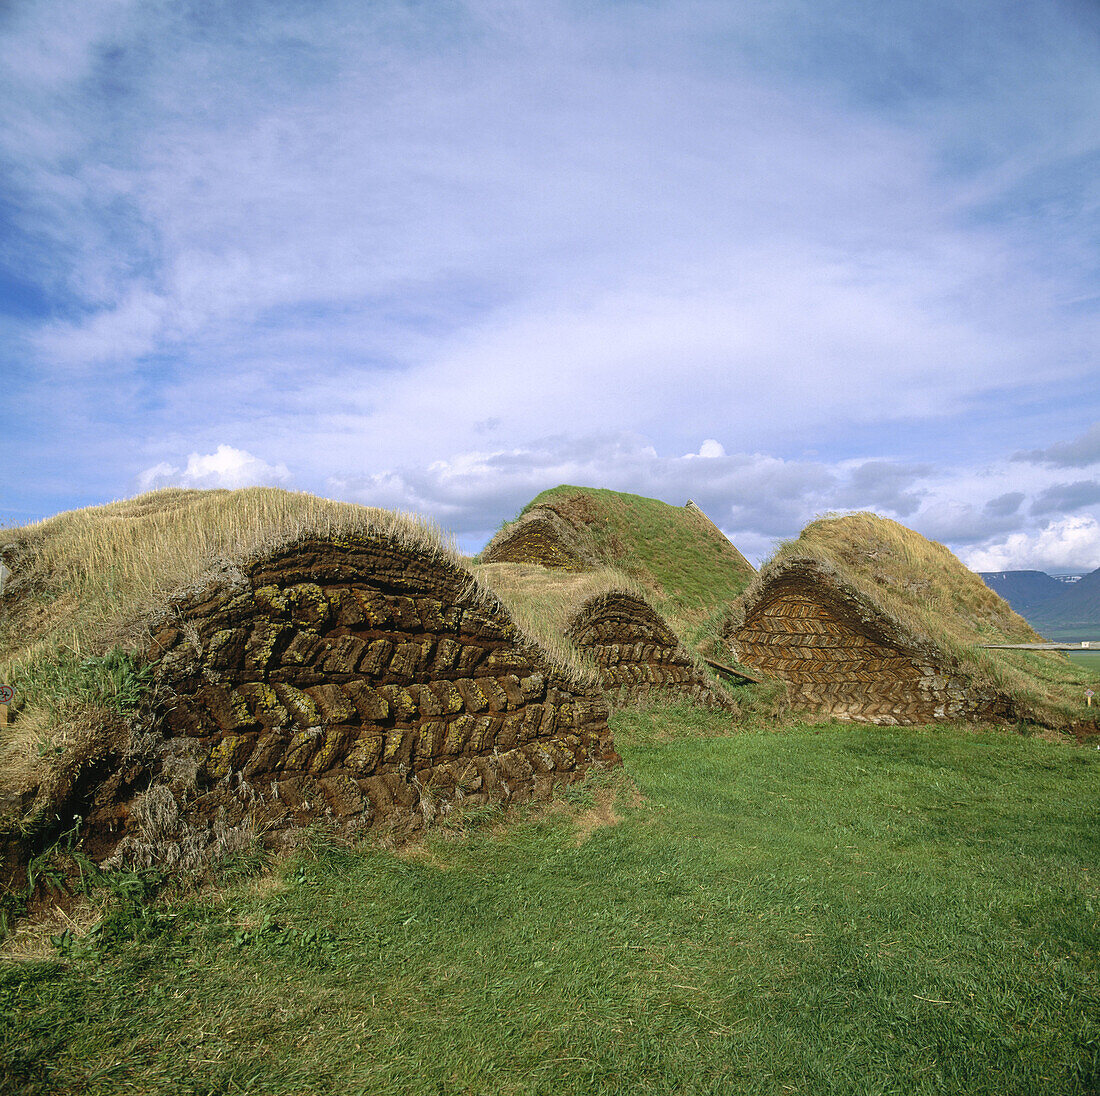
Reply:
x=81 y=580
x=925 y=592
x=679 y=559
x=548 y=604
x=544 y=602
x=86 y=584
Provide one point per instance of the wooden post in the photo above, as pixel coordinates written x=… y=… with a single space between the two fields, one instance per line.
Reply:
x=3 y=715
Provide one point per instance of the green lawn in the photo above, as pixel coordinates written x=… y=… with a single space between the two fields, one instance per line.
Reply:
x=1089 y=659
x=832 y=909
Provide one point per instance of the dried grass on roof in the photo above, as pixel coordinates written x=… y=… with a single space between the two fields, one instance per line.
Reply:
x=915 y=579
x=544 y=601
x=81 y=579
x=548 y=602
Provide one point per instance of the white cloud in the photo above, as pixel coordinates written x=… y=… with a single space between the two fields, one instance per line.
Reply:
x=1066 y=544
x=225 y=467
x=710 y=450
x=412 y=241
x=754 y=497
x=1080 y=452
x=125 y=332
x=662 y=241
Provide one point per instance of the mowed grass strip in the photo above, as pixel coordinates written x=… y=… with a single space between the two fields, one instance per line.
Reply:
x=831 y=910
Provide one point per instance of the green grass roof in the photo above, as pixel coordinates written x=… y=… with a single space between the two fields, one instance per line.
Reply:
x=688 y=568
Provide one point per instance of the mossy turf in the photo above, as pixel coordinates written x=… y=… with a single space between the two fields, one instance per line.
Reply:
x=85 y=583
x=834 y=909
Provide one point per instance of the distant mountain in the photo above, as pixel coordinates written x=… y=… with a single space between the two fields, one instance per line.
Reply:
x=1024 y=590
x=1075 y=604
x=1050 y=605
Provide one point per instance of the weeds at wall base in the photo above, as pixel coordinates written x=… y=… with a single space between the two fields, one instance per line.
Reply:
x=127 y=906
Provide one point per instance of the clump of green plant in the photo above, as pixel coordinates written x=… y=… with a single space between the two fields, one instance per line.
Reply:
x=73 y=708
x=63 y=871
x=129 y=911
x=114 y=679
x=270 y=932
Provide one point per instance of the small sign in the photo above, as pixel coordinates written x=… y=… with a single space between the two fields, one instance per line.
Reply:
x=5 y=574
x=7 y=694
x=1088 y=692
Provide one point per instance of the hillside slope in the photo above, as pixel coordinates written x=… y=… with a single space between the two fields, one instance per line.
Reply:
x=1072 y=605
x=1023 y=590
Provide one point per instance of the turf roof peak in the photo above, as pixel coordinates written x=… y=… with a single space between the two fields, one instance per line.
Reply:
x=920 y=587
x=909 y=575
x=105 y=570
x=687 y=567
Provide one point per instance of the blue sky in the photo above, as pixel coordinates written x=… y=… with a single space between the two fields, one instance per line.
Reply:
x=779 y=257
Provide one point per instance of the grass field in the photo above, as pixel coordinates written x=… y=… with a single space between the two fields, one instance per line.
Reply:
x=834 y=909
x=1089 y=659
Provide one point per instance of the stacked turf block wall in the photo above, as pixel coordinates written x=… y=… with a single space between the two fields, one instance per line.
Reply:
x=843 y=658
x=358 y=682
x=541 y=537
x=639 y=657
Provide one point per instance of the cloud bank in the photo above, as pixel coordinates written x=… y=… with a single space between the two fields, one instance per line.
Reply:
x=781 y=258
x=1068 y=544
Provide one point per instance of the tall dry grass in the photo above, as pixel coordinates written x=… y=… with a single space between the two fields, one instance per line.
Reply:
x=543 y=602
x=82 y=577
x=915 y=578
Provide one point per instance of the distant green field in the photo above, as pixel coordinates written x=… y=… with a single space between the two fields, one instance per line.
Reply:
x=1071 y=635
x=833 y=909
x=1091 y=659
